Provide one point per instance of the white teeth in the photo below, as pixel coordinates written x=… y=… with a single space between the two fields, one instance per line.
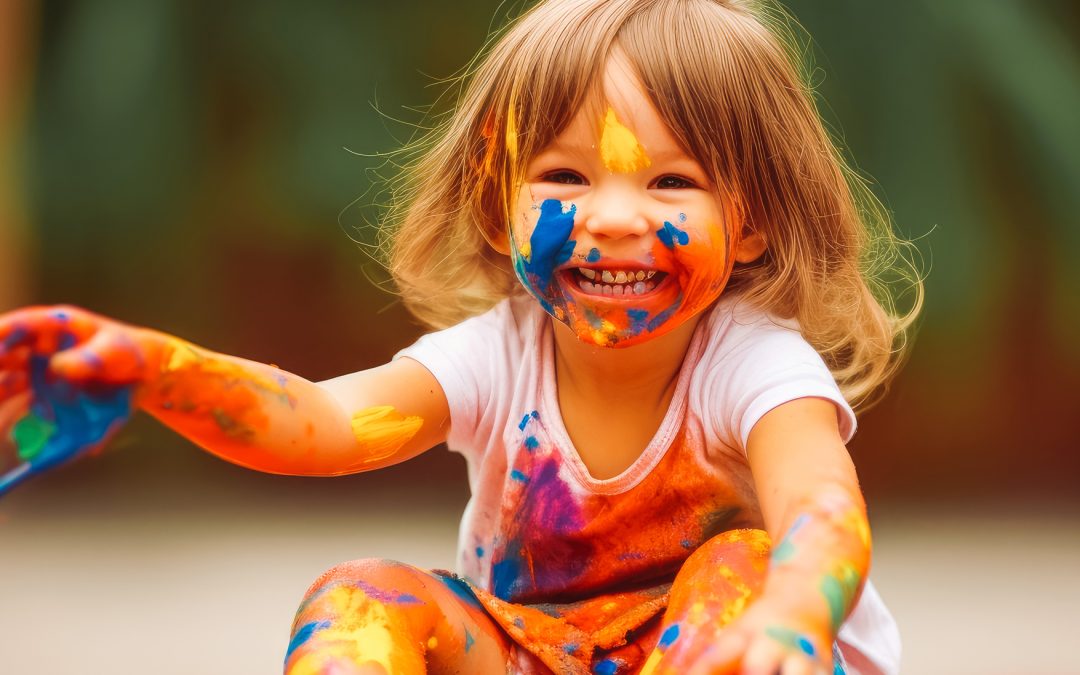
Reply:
x=649 y=274
x=639 y=287
x=620 y=277
x=607 y=277
x=587 y=273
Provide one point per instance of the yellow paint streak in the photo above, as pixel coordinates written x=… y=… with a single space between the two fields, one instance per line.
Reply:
x=734 y=607
x=619 y=147
x=651 y=663
x=511 y=130
x=361 y=634
x=432 y=642
x=382 y=430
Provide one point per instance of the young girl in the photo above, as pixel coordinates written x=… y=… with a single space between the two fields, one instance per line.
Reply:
x=654 y=431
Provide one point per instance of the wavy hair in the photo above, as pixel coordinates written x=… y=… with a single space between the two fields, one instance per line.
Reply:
x=729 y=79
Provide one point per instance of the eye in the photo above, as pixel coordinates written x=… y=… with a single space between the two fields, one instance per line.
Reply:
x=563 y=177
x=672 y=182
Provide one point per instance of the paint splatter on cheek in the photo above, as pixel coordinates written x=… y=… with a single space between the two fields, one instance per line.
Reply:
x=548 y=247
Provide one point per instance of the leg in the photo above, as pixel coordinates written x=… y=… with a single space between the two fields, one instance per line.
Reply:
x=713 y=587
x=379 y=617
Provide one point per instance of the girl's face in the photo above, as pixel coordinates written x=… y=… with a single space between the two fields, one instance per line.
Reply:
x=616 y=230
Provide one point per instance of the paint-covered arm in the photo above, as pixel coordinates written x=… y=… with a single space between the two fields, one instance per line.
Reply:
x=815 y=514
x=249 y=413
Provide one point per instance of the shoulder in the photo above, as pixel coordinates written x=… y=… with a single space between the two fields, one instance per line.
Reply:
x=736 y=328
x=753 y=361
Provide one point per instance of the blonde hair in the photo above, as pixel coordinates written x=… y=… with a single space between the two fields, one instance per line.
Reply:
x=727 y=78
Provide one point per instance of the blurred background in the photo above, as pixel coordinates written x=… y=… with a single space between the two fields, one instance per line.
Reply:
x=202 y=167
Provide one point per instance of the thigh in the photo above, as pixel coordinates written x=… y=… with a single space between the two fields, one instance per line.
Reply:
x=385 y=616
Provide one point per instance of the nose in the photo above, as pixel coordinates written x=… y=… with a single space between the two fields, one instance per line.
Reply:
x=614 y=212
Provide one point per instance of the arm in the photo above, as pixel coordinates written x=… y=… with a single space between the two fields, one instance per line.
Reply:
x=263 y=418
x=810 y=499
x=249 y=413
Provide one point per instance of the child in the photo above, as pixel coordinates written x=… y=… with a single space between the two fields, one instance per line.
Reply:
x=670 y=396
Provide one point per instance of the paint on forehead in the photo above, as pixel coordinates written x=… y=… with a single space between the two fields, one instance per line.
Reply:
x=619 y=147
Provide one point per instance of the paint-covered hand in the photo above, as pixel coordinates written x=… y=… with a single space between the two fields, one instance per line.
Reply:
x=68 y=380
x=768 y=639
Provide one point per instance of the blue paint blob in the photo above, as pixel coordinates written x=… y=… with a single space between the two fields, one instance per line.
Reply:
x=566 y=252
x=570 y=647
x=594 y=255
x=504 y=576
x=469 y=640
x=525 y=420
x=547 y=244
x=479 y=552
x=805 y=646
x=519 y=622
x=638 y=320
x=682 y=217
x=686 y=543
x=304 y=634
x=669 y=637
x=663 y=316
x=459 y=587
x=606 y=667
x=671 y=235
x=531 y=443
x=83 y=416
x=518 y=476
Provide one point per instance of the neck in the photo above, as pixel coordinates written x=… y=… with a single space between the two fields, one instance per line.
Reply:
x=644 y=372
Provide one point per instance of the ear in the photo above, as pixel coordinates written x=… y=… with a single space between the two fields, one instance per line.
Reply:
x=499 y=241
x=751 y=245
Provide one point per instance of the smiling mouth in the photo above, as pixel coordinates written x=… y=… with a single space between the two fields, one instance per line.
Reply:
x=614 y=283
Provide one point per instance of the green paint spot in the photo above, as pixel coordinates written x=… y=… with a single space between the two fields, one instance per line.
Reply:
x=839 y=591
x=791 y=640
x=30 y=434
x=784 y=552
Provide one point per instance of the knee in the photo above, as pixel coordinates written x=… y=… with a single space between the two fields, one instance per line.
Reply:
x=372 y=572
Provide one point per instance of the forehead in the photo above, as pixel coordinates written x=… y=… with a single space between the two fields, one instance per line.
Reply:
x=619 y=93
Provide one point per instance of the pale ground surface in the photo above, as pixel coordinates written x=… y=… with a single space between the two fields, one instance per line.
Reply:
x=92 y=585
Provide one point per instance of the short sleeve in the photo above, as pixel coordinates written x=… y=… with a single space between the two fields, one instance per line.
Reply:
x=759 y=366
x=470 y=361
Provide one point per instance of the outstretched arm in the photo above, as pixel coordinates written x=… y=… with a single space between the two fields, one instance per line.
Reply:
x=249 y=413
x=816 y=517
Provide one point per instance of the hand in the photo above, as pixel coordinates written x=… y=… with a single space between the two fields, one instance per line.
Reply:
x=67 y=382
x=764 y=640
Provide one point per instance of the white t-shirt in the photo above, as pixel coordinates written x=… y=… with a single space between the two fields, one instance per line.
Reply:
x=540 y=528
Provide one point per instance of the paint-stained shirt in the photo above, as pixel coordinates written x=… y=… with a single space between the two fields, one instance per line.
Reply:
x=540 y=529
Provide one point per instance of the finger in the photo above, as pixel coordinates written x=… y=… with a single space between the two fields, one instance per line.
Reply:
x=763 y=657
x=12 y=382
x=796 y=664
x=723 y=657
x=110 y=356
x=45 y=329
